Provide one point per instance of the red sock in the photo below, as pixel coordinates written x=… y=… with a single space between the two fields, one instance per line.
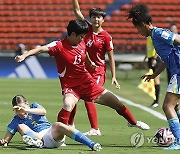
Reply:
x=92 y=114
x=126 y=113
x=63 y=116
x=72 y=116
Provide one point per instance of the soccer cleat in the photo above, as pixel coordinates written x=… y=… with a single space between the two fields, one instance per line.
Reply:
x=140 y=125
x=92 y=132
x=96 y=147
x=174 y=146
x=32 y=142
x=155 y=104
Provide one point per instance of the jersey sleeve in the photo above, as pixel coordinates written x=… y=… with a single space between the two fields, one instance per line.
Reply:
x=53 y=48
x=35 y=105
x=165 y=35
x=13 y=125
x=109 y=43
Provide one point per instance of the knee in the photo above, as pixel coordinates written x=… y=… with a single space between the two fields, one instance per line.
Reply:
x=68 y=106
x=167 y=107
x=58 y=125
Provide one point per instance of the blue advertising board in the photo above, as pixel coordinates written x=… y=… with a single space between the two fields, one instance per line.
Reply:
x=32 y=67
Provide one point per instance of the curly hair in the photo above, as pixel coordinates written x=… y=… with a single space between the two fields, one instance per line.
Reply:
x=140 y=14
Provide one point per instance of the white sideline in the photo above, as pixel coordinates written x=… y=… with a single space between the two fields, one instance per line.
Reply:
x=151 y=111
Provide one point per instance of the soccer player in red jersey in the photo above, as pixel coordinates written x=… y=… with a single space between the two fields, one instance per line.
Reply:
x=98 y=42
x=76 y=82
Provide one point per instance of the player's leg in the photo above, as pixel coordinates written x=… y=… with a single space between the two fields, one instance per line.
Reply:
x=91 y=108
x=69 y=102
x=109 y=99
x=72 y=116
x=29 y=136
x=177 y=109
x=173 y=121
x=92 y=115
x=59 y=130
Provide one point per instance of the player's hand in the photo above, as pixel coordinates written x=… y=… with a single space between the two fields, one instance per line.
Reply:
x=3 y=142
x=117 y=85
x=147 y=77
x=19 y=109
x=19 y=58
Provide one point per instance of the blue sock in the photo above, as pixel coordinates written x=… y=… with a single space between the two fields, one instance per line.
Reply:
x=175 y=128
x=29 y=133
x=80 y=137
x=178 y=114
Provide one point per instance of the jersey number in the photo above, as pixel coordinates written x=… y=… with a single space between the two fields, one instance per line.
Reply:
x=77 y=59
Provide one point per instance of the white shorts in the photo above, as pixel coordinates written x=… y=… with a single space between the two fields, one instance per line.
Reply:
x=173 y=86
x=48 y=140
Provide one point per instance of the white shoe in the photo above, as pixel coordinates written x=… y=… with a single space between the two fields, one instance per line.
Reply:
x=155 y=105
x=92 y=132
x=32 y=142
x=97 y=147
x=140 y=125
x=63 y=141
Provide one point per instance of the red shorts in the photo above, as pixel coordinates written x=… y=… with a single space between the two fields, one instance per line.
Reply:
x=88 y=91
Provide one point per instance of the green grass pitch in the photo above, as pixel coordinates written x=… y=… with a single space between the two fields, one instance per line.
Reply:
x=116 y=135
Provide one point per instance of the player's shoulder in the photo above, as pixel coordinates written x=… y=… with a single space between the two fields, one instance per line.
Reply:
x=34 y=105
x=159 y=31
x=106 y=34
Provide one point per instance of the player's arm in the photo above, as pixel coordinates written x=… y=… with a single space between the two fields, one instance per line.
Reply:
x=7 y=138
x=39 y=110
x=20 y=58
x=177 y=40
x=88 y=60
x=156 y=73
x=113 y=68
x=77 y=11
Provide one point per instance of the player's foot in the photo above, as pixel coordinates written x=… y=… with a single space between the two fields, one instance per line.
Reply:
x=32 y=142
x=97 y=147
x=92 y=132
x=140 y=125
x=63 y=140
x=174 y=146
x=155 y=104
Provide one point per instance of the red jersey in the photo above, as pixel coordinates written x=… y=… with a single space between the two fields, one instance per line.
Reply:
x=97 y=44
x=70 y=61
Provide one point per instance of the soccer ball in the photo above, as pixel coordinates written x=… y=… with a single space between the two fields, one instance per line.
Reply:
x=164 y=137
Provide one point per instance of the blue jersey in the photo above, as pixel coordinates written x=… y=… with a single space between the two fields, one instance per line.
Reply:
x=36 y=122
x=163 y=40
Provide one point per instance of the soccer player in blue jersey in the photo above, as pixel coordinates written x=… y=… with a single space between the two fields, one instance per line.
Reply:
x=30 y=121
x=167 y=47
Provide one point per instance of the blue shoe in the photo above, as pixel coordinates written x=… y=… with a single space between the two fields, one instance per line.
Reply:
x=174 y=146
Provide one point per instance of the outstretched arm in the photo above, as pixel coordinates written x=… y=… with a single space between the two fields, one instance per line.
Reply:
x=7 y=138
x=39 y=111
x=20 y=58
x=156 y=73
x=77 y=10
x=113 y=69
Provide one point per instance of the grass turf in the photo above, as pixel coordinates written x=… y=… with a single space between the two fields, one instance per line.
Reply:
x=116 y=135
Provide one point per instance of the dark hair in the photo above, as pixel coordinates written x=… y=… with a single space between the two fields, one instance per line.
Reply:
x=18 y=99
x=140 y=14
x=97 y=12
x=77 y=26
